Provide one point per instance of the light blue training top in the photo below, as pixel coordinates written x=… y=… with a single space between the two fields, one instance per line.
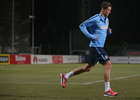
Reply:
x=98 y=26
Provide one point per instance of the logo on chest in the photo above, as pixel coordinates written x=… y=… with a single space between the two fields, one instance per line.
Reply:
x=104 y=27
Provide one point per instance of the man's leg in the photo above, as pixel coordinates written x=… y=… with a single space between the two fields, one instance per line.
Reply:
x=107 y=67
x=86 y=68
x=108 y=91
x=79 y=70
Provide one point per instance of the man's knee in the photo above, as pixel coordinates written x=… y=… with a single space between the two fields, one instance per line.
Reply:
x=107 y=64
x=87 y=67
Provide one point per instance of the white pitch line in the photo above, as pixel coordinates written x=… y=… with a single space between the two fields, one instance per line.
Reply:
x=28 y=83
x=113 y=79
x=94 y=82
x=70 y=83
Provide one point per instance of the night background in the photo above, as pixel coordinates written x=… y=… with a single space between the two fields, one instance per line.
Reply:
x=65 y=16
x=55 y=20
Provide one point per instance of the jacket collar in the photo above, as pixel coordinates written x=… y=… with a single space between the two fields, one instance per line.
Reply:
x=102 y=18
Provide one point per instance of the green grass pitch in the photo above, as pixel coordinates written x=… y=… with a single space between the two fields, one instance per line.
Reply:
x=42 y=82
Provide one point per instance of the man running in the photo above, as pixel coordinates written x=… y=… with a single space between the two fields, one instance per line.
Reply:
x=99 y=30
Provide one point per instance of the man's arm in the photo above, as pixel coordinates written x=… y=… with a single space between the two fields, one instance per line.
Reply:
x=109 y=31
x=83 y=28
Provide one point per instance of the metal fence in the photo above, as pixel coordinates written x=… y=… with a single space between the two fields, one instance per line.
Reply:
x=15 y=26
x=54 y=49
x=128 y=50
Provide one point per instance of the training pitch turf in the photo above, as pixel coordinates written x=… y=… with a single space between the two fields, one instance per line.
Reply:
x=42 y=82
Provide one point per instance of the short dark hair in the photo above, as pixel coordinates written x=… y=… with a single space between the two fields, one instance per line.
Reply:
x=105 y=5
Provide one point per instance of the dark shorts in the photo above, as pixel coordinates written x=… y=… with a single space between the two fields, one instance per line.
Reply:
x=97 y=54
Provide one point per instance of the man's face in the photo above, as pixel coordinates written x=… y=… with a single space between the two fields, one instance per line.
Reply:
x=107 y=11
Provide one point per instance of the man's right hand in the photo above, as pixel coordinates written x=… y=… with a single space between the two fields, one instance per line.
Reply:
x=96 y=37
